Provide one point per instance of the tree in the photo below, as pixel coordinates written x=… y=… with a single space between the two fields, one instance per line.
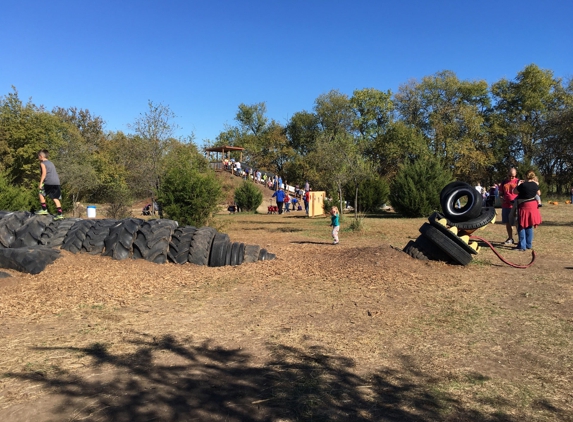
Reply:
x=25 y=129
x=155 y=127
x=334 y=113
x=523 y=107
x=450 y=114
x=302 y=131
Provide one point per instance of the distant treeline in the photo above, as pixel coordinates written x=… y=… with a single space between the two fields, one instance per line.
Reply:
x=478 y=131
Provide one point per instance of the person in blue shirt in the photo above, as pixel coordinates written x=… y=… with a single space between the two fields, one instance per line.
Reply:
x=335 y=224
x=280 y=197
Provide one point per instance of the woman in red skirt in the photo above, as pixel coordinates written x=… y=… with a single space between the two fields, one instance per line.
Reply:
x=527 y=209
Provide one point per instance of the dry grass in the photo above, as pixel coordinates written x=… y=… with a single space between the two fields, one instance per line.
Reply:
x=357 y=331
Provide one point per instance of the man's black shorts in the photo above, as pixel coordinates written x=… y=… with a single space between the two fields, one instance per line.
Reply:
x=53 y=191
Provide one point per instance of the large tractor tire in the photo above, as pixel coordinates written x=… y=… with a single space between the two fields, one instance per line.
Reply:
x=54 y=235
x=219 y=247
x=180 y=244
x=9 y=224
x=30 y=233
x=119 y=243
x=201 y=246
x=152 y=242
x=95 y=237
x=77 y=235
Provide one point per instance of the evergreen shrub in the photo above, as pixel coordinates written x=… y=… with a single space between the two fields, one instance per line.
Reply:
x=248 y=197
x=415 y=192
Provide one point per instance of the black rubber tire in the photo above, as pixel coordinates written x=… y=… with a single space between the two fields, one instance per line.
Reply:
x=76 y=235
x=95 y=237
x=451 y=248
x=449 y=187
x=201 y=246
x=228 y=255
x=263 y=254
x=237 y=253
x=180 y=244
x=219 y=250
x=486 y=216
x=412 y=250
x=119 y=243
x=451 y=235
x=28 y=260
x=54 y=235
x=251 y=253
x=152 y=241
x=30 y=232
x=9 y=224
x=468 y=211
x=429 y=249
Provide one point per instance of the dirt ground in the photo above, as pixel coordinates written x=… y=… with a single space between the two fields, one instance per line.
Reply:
x=353 y=332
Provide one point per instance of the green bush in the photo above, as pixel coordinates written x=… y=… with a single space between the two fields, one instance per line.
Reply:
x=415 y=192
x=248 y=197
x=189 y=196
x=372 y=194
x=15 y=198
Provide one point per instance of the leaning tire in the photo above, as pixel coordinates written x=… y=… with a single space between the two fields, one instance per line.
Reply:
x=486 y=216
x=201 y=246
x=451 y=248
x=436 y=223
x=469 y=211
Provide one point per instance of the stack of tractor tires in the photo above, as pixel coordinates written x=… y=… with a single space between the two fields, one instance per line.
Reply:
x=23 y=237
x=446 y=235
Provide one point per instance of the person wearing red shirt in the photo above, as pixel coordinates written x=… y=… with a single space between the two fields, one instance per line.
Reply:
x=507 y=196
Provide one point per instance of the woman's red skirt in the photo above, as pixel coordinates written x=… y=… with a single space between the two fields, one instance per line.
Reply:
x=529 y=215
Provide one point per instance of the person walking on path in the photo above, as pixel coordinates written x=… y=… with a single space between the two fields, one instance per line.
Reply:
x=506 y=191
x=49 y=185
x=335 y=224
x=280 y=197
x=528 y=215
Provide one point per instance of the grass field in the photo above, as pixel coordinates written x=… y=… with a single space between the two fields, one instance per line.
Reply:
x=354 y=332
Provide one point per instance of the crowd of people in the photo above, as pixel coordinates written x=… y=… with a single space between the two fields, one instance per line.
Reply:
x=288 y=197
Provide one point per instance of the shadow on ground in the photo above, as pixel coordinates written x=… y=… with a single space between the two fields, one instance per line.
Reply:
x=165 y=379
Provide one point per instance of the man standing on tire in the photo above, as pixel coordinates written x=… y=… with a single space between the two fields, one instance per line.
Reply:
x=49 y=185
x=507 y=198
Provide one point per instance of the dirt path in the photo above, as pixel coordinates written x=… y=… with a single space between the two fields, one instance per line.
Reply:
x=357 y=331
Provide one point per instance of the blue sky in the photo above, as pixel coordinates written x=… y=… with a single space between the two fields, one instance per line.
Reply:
x=204 y=58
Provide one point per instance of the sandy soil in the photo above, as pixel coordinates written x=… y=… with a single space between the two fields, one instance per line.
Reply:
x=358 y=331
